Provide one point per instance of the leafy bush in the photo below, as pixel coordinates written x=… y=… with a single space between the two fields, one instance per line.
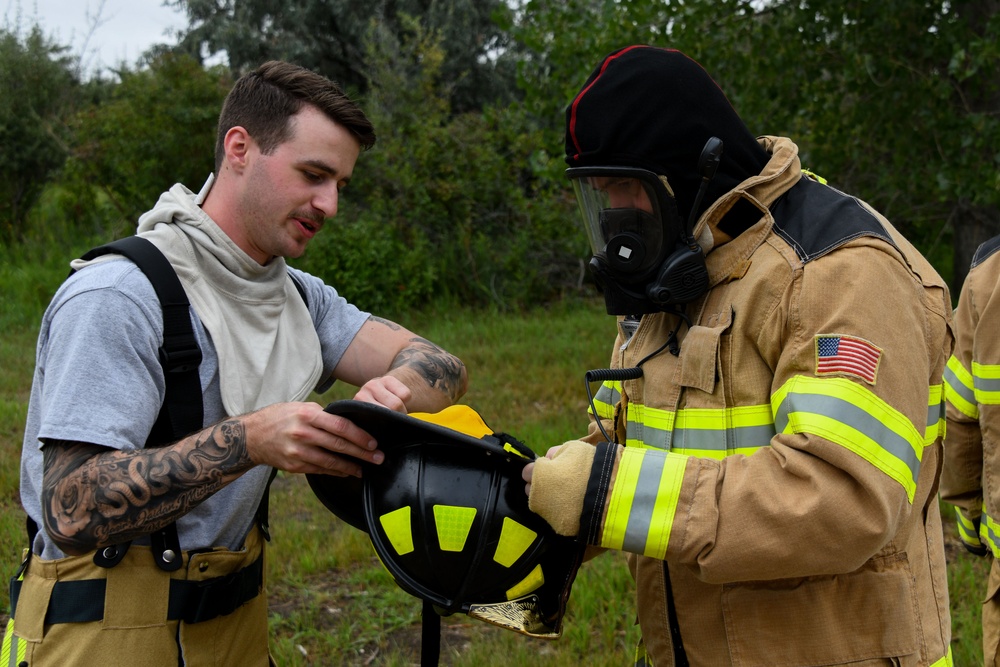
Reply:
x=370 y=265
x=158 y=128
x=459 y=199
x=39 y=90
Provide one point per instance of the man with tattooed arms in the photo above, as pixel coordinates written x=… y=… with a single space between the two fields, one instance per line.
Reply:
x=99 y=586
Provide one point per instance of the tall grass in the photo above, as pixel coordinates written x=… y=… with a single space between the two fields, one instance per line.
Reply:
x=331 y=601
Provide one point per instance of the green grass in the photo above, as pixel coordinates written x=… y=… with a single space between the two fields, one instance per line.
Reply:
x=331 y=601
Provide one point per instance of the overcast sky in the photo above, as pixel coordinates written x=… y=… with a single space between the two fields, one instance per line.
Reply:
x=124 y=29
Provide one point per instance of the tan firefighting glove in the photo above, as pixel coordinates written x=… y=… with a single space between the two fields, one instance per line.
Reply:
x=569 y=488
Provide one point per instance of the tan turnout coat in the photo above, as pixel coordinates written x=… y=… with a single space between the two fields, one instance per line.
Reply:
x=796 y=511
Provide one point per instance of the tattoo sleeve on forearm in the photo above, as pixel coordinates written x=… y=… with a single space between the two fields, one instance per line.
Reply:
x=93 y=496
x=442 y=370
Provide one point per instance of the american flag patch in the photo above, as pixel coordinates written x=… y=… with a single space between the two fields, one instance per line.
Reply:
x=847 y=354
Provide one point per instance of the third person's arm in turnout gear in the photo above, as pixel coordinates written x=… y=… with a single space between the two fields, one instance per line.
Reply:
x=971 y=390
x=840 y=474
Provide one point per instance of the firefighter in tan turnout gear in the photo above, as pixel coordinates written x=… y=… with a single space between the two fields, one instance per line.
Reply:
x=768 y=440
x=972 y=446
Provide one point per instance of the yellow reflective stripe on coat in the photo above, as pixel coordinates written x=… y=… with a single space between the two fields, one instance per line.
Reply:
x=712 y=433
x=717 y=433
x=643 y=501
x=986 y=380
x=936 y=415
x=606 y=399
x=13 y=649
x=959 y=388
x=850 y=415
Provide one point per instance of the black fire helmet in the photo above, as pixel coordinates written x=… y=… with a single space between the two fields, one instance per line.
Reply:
x=447 y=514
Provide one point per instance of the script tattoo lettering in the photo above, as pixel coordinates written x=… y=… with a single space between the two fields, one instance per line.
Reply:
x=93 y=496
x=389 y=323
x=441 y=370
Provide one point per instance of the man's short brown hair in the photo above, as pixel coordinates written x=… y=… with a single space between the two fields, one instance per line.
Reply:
x=263 y=101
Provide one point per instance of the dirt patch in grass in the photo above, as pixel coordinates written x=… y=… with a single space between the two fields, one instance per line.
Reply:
x=336 y=593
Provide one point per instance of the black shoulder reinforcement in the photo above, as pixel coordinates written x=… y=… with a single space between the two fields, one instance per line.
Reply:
x=985 y=250
x=816 y=219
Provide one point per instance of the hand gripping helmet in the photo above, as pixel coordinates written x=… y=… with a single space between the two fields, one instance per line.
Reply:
x=447 y=515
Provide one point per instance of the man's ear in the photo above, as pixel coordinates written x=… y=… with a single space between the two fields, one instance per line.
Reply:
x=237 y=145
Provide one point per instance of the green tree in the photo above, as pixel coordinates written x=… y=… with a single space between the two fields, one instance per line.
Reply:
x=156 y=128
x=328 y=36
x=38 y=89
x=895 y=101
x=446 y=204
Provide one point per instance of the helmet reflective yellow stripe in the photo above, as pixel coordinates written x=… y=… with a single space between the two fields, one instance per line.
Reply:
x=850 y=415
x=960 y=388
x=515 y=539
x=453 y=525
x=532 y=582
x=398 y=529
x=643 y=500
x=986 y=379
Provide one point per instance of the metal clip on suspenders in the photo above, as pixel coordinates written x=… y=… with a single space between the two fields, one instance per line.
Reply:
x=181 y=413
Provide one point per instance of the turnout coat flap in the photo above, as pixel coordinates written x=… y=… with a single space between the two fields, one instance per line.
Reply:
x=783 y=467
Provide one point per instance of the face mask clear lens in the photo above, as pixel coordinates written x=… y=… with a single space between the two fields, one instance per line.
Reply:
x=604 y=197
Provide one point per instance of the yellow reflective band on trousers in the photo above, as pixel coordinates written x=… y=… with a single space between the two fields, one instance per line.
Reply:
x=606 y=399
x=643 y=501
x=989 y=533
x=959 y=388
x=705 y=432
x=850 y=415
x=967 y=529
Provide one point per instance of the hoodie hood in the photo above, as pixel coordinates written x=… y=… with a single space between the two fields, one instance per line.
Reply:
x=655 y=109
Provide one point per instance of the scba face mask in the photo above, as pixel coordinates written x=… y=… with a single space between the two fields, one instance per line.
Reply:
x=643 y=261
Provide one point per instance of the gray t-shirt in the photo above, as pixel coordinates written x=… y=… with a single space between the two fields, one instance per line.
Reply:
x=98 y=379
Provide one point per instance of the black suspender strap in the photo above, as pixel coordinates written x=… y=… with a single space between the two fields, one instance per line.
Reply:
x=182 y=412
